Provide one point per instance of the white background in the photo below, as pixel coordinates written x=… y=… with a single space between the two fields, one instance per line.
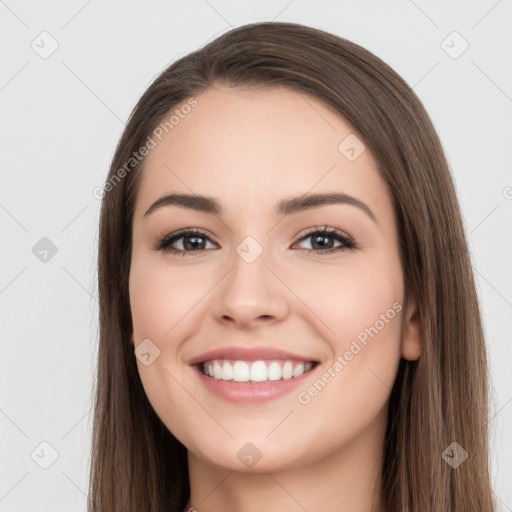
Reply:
x=61 y=118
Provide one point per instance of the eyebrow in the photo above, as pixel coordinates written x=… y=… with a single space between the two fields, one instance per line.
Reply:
x=284 y=207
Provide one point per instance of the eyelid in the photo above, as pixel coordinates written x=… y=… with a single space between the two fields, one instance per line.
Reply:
x=322 y=229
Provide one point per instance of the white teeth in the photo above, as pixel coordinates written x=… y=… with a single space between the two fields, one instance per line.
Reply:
x=217 y=370
x=287 y=370
x=298 y=370
x=227 y=372
x=240 y=371
x=274 y=371
x=257 y=371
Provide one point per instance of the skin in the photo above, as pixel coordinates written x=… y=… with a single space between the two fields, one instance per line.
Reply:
x=249 y=149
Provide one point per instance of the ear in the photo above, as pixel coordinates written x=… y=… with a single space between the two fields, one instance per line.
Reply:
x=411 y=342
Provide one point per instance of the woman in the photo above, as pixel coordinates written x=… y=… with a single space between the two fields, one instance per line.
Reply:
x=288 y=317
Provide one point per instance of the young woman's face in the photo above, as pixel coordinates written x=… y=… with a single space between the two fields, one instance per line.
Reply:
x=253 y=277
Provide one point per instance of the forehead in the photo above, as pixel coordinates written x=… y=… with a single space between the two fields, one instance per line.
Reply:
x=262 y=144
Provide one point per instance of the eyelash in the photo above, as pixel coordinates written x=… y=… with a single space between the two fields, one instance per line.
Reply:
x=348 y=243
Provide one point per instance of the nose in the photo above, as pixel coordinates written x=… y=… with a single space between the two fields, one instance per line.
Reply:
x=251 y=295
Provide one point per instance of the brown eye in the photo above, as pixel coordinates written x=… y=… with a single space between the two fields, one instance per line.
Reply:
x=191 y=240
x=322 y=240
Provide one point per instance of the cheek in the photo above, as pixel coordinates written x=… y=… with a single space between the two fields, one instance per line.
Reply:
x=369 y=308
x=161 y=300
x=352 y=296
x=162 y=307
x=359 y=314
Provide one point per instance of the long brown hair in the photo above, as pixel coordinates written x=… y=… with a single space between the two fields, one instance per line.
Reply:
x=442 y=398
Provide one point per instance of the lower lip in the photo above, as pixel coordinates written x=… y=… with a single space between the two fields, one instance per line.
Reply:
x=249 y=392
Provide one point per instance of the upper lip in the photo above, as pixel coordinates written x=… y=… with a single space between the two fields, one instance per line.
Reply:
x=248 y=354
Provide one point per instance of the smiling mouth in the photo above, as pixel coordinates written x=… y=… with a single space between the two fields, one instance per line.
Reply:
x=254 y=371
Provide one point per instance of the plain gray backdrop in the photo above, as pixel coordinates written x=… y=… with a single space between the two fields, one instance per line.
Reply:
x=70 y=74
